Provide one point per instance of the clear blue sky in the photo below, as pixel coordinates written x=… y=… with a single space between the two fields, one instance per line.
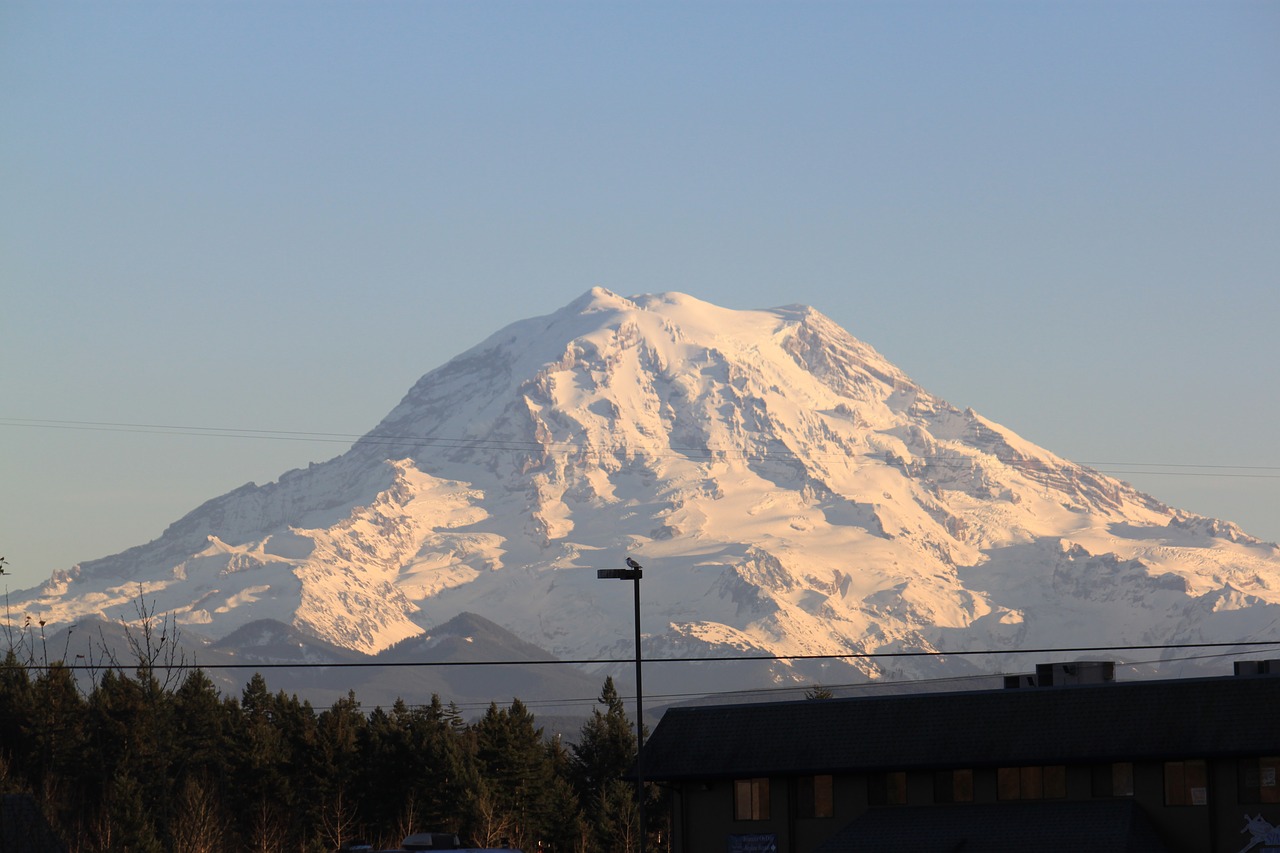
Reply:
x=277 y=216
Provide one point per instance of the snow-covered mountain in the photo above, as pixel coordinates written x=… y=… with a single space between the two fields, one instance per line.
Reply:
x=787 y=490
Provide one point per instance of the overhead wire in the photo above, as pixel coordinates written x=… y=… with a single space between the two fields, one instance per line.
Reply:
x=656 y=451
x=1237 y=647
x=516 y=445
x=843 y=688
x=836 y=688
x=764 y=657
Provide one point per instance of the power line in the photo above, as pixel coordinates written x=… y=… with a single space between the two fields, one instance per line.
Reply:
x=762 y=691
x=864 y=686
x=1239 y=644
x=656 y=451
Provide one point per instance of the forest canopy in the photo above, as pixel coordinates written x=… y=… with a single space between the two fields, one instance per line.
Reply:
x=153 y=758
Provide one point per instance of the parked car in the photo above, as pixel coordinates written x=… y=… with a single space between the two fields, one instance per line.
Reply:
x=424 y=841
x=444 y=841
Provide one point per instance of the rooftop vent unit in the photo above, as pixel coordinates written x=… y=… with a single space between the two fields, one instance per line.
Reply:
x=1062 y=674
x=431 y=841
x=1258 y=667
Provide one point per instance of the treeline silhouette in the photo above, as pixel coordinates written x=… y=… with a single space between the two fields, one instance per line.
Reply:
x=135 y=763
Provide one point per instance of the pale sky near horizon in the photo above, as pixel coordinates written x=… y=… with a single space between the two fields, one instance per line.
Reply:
x=277 y=216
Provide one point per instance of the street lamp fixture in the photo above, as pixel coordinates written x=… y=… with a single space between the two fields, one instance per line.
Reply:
x=634 y=572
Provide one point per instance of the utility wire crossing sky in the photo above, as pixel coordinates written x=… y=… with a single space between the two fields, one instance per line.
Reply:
x=270 y=220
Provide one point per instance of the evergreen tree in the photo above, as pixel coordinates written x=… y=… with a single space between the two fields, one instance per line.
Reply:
x=450 y=770
x=125 y=822
x=203 y=730
x=16 y=713
x=817 y=691
x=203 y=752
x=605 y=751
x=606 y=748
x=388 y=771
x=277 y=766
x=342 y=731
x=55 y=735
x=303 y=766
x=517 y=773
x=120 y=757
x=570 y=832
x=16 y=710
x=136 y=767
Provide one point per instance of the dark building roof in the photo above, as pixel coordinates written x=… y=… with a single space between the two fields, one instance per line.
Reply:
x=1234 y=715
x=23 y=827
x=1099 y=826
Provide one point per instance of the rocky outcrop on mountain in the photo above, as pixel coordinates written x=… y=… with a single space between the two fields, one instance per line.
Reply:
x=789 y=491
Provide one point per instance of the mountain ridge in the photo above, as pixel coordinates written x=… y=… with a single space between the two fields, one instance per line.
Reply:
x=789 y=490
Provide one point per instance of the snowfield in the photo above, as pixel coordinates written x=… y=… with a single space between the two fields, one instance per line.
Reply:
x=787 y=490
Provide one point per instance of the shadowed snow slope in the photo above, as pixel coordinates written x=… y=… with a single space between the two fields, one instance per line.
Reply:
x=787 y=490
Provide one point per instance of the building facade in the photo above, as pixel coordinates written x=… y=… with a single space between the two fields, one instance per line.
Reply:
x=1064 y=760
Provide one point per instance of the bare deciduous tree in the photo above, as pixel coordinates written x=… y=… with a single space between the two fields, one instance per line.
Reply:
x=153 y=644
x=267 y=834
x=339 y=819
x=200 y=825
x=494 y=825
x=408 y=822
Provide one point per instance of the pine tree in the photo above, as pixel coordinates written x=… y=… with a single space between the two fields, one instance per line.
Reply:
x=203 y=730
x=203 y=752
x=55 y=731
x=341 y=734
x=303 y=768
x=569 y=832
x=126 y=824
x=17 y=706
x=817 y=691
x=606 y=750
x=277 y=767
x=517 y=772
x=126 y=760
x=388 y=772
x=450 y=770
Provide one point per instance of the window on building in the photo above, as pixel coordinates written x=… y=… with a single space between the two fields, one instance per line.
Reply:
x=1258 y=779
x=953 y=786
x=1113 y=780
x=814 y=796
x=751 y=799
x=888 y=789
x=1185 y=783
x=1036 y=782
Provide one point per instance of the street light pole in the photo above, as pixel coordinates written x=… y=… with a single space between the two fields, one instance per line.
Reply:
x=633 y=573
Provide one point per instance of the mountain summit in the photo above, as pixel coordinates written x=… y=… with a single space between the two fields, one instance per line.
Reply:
x=788 y=490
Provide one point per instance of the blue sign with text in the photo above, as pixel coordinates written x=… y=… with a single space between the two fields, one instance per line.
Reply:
x=758 y=843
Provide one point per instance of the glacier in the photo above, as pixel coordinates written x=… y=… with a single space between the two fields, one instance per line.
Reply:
x=788 y=490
